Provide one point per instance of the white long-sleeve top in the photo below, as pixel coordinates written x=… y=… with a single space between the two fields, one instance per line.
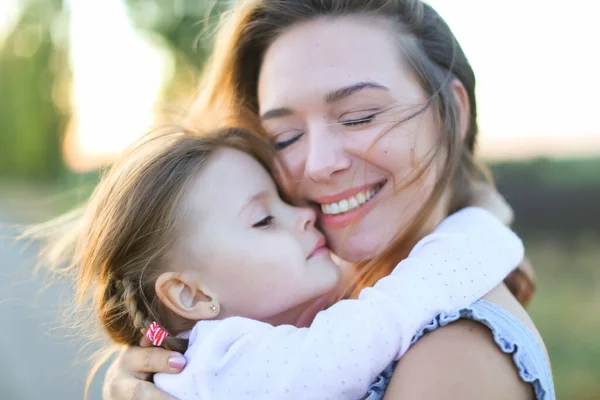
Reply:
x=348 y=345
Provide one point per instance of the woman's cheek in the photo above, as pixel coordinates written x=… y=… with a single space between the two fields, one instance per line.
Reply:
x=288 y=173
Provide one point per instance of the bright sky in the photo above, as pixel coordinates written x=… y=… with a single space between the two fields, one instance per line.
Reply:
x=8 y=11
x=537 y=70
x=118 y=76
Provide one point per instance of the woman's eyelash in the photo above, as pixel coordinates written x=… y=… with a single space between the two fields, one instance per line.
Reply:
x=282 y=145
x=266 y=221
x=278 y=146
x=361 y=121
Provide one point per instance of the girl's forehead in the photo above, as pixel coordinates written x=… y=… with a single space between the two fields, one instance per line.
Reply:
x=226 y=182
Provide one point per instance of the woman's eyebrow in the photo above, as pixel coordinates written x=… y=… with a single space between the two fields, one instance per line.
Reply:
x=344 y=92
x=331 y=97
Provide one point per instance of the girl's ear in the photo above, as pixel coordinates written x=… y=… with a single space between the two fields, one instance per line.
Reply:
x=183 y=294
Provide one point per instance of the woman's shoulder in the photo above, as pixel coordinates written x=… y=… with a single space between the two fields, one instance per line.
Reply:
x=462 y=359
x=501 y=297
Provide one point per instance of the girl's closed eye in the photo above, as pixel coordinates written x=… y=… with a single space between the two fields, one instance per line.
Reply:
x=286 y=139
x=265 y=222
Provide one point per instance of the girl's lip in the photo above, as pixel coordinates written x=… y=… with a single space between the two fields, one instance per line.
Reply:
x=319 y=247
x=336 y=221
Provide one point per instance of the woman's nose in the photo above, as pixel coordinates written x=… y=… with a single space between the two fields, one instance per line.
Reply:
x=325 y=157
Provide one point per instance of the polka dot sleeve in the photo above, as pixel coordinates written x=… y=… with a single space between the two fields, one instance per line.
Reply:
x=349 y=344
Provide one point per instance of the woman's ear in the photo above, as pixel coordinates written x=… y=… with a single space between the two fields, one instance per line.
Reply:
x=461 y=97
x=183 y=294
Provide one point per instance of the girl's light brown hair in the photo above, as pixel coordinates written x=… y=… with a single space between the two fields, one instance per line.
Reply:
x=423 y=37
x=118 y=242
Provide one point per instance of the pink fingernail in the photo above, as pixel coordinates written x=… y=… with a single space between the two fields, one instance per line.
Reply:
x=177 y=361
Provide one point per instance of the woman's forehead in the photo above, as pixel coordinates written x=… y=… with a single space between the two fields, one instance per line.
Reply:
x=324 y=55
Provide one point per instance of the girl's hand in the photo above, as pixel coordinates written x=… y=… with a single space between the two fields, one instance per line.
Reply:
x=130 y=375
x=488 y=198
x=521 y=281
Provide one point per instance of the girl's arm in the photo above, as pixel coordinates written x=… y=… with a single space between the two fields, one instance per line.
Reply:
x=349 y=344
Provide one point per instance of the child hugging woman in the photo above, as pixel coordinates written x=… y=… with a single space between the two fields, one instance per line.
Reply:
x=187 y=240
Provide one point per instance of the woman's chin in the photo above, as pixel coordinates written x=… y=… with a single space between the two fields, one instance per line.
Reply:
x=354 y=248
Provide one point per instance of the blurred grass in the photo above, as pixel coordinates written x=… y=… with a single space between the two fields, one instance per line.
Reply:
x=566 y=311
x=32 y=201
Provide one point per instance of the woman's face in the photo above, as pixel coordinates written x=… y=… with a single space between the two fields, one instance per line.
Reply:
x=330 y=94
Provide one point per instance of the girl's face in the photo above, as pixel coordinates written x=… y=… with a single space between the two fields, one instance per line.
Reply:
x=330 y=91
x=261 y=257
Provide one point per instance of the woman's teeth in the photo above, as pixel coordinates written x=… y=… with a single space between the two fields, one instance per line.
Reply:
x=350 y=203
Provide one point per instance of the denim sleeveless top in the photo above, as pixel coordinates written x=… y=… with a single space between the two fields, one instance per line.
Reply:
x=510 y=334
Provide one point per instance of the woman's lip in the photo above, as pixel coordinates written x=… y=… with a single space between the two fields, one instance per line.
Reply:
x=336 y=221
x=346 y=194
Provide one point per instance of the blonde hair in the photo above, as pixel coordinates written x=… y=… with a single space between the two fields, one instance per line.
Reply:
x=231 y=80
x=117 y=244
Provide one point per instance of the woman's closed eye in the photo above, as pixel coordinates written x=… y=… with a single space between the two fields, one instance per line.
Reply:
x=362 y=120
x=350 y=120
x=265 y=222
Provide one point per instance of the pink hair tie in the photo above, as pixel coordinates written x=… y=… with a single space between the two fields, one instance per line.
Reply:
x=156 y=334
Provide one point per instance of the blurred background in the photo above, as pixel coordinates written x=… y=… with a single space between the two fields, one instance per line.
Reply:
x=80 y=79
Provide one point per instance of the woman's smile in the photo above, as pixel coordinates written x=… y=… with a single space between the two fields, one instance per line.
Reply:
x=340 y=210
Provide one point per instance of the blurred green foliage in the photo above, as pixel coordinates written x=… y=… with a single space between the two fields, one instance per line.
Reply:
x=32 y=60
x=187 y=26
x=565 y=310
x=566 y=173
